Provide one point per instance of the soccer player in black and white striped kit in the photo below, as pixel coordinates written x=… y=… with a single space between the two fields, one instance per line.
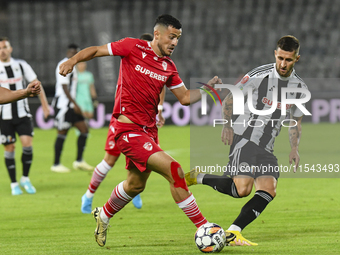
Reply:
x=16 y=116
x=67 y=114
x=252 y=136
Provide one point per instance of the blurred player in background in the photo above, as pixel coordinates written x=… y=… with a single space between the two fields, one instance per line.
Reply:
x=86 y=96
x=252 y=146
x=145 y=69
x=112 y=154
x=16 y=116
x=68 y=114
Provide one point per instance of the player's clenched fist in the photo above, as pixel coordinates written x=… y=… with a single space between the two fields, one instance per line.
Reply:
x=66 y=67
x=33 y=89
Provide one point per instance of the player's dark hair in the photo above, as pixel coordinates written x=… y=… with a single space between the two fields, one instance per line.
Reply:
x=146 y=37
x=73 y=46
x=168 y=20
x=289 y=43
x=4 y=38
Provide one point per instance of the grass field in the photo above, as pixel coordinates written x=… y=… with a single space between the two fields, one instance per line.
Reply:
x=304 y=218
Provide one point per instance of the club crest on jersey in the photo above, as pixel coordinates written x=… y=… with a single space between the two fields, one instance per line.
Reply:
x=165 y=65
x=143 y=54
x=147 y=146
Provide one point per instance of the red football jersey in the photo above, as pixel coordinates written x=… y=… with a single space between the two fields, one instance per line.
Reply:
x=142 y=76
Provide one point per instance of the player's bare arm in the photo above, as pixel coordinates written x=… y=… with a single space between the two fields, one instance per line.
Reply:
x=227 y=111
x=43 y=101
x=83 y=55
x=67 y=93
x=8 y=96
x=161 y=120
x=187 y=97
x=294 y=139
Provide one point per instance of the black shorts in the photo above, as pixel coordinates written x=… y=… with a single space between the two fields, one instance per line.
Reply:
x=21 y=126
x=247 y=158
x=65 y=118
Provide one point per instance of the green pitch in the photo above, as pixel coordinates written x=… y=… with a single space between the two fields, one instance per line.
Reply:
x=304 y=218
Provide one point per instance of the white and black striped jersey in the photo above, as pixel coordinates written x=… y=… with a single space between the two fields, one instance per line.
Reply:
x=71 y=79
x=263 y=129
x=14 y=75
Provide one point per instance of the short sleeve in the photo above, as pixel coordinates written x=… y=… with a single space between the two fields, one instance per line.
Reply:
x=122 y=47
x=174 y=80
x=28 y=71
x=245 y=83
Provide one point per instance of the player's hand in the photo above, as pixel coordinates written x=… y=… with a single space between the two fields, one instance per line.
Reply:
x=227 y=135
x=66 y=67
x=294 y=155
x=160 y=122
x=95 y=103
x=33 y=89
x=214 y=81
x=77 y=109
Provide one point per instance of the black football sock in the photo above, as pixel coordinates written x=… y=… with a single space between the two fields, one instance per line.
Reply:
x=58 y=147
x=81 y=146
x=10 y=165
x=223 y=184
x=26 y=159
x=253 y=208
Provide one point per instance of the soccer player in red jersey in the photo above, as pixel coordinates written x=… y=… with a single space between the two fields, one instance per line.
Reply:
x=145 y=69
x=112 y=154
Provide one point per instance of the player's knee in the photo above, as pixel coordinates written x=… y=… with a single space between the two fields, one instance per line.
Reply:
x=135 y=187
x=178 y=176
x=244 y=191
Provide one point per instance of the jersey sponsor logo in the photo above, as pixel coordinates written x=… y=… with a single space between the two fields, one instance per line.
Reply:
x=11 y=81
x=245 y=79
x=264 y=72
x=143 y=47
x=165 y=65
x=143 y=54
x=148 y=146
x=270 y=103
x=153 y=75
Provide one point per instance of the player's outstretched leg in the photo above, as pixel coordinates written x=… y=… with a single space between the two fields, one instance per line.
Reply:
x=121 y=195
x=165 y=165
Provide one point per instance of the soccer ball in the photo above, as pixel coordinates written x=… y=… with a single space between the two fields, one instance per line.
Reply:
x=210 y=237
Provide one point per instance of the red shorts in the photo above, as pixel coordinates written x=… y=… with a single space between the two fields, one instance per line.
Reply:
x=110 y=146
x=137 y=143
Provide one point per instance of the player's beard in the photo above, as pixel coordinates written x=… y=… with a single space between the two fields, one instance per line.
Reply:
x=162 y=51
x=287 y=74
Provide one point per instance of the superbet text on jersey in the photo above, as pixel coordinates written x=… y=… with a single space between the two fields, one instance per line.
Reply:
x=142 y=76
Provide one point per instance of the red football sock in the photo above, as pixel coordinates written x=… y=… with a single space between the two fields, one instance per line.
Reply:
x=117 y=201
x=190 y=208
x=98 y=176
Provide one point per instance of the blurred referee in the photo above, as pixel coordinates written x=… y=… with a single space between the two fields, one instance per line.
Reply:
x=16 y=116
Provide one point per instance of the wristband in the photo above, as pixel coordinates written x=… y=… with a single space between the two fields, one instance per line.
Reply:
x=160 y=107
x=202 y=91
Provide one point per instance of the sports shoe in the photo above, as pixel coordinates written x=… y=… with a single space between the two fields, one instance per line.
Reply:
x=82 y=165
x=100 y=231
x=191 y=177
x=16 y=190
x=239 y=240
x=137 y=201
x=60 y=169
x=86 y=204
x=27 y=185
